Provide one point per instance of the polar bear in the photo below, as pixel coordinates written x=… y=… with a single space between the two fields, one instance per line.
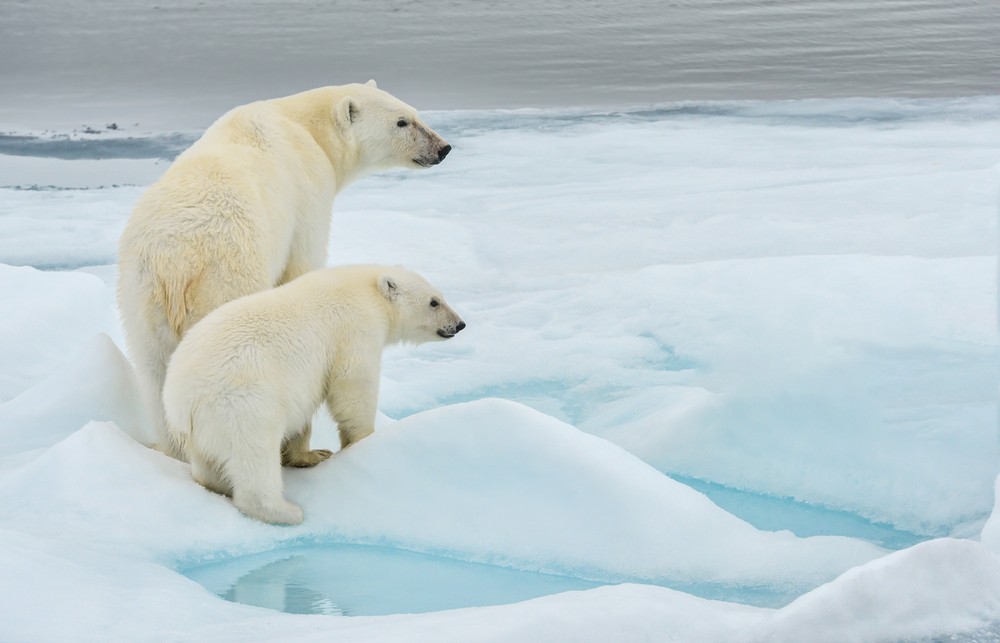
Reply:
x=247 y=207
x=248 y=377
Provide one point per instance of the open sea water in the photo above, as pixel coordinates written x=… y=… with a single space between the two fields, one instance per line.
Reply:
x=182 y=63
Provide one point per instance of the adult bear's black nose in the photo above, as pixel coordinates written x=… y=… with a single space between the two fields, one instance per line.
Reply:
x=443 y=152
x=460 y=326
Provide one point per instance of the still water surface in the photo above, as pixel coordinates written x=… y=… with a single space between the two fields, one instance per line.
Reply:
x=192 y=58
x=355 y=580
x=365 y=580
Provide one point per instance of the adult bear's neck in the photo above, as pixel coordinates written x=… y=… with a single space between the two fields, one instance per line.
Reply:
x=316 y=115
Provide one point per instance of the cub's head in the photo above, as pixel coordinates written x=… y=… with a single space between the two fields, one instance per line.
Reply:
x=422 y=315
x=386 y=130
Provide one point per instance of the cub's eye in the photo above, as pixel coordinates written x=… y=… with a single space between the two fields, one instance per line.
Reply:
x=401 y=123
x=435 y=303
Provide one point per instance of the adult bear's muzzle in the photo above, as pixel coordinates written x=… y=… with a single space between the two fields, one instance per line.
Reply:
x=450 y=332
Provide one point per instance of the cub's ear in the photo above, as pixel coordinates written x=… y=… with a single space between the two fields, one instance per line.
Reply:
x=371 y=83
x=346 y=111
x=387 y=286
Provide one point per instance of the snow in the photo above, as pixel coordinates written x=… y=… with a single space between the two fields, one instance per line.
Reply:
x=101 y=380
x=794 y=301
x=934 y=587
x=46 y=320
x=991 y=530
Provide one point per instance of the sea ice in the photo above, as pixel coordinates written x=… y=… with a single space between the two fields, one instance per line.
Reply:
x=796 y=300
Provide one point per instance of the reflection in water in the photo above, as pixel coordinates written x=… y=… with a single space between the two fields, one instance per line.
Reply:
x=355 y=580
x=273 y=586
x=363 y=580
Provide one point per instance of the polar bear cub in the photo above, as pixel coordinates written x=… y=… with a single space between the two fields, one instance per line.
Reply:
x=244 y=383
x=247 y=207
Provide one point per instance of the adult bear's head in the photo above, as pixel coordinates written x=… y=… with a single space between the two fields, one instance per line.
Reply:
x=387 y=131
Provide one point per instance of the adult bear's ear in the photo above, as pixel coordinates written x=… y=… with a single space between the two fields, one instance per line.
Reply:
x=371 y=83
x=387 y=286
x=346 y=111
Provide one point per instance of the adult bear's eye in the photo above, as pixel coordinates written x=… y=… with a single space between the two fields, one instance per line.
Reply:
x=434 y=303
x=401 y=123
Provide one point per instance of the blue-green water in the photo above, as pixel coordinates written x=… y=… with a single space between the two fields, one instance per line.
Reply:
x=772 y=513
x=361 y=580
x=365 y=580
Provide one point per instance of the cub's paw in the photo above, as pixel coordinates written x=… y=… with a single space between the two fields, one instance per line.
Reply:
x=306 y=458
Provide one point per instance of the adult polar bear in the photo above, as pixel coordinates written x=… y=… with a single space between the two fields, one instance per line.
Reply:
x=247 y=207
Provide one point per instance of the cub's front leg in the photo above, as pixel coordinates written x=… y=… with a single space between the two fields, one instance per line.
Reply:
x=352 y=403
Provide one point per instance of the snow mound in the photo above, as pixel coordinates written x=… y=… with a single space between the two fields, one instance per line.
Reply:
x=991 y=530
x=494 y=481
x=96 y=384
x=489 y=481
x=938 y=587
x=47 y=316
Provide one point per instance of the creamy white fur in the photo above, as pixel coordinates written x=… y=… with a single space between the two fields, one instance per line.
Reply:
x=247 y=207
x=244 y=382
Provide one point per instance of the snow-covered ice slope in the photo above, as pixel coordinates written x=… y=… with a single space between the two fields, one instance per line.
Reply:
x=792 y=299
x=795 y=299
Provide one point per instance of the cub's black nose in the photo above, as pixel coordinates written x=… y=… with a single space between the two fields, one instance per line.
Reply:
x=443 y=152
x=460 y=326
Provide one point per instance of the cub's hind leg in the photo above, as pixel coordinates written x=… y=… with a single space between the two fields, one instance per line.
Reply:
x=254 y=469
x=209 y=475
